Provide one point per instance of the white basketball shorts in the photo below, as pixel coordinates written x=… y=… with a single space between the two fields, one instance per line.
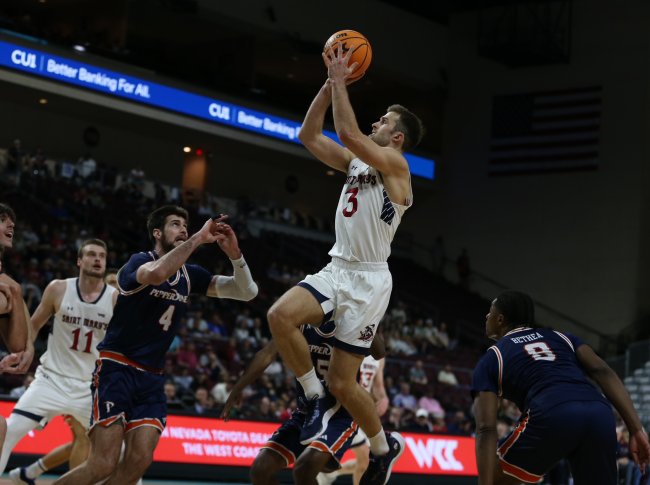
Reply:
x=355 y=296
x=52 y=394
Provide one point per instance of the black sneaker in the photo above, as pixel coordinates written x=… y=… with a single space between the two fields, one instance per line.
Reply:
x=319 y=411
x=19 y=476
x=380 y=467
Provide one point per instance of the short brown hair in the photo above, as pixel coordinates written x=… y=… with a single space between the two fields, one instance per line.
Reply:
x=156 y=219
x=88 y=242
x=5 y=210
x=409 y=124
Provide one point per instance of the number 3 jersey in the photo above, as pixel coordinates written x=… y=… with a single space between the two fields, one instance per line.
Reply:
x=536 y=369
x=366 y=219
x=146 y=317
x=78 y=327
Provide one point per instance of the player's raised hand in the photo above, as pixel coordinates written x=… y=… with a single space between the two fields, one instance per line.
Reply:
x=234 y=400
x=208 y=233
x=337 y=64
x=640 y=449
x=227 y=240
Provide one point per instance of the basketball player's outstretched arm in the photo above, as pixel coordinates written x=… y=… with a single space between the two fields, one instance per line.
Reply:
x=263 y=358
x=615 y=391
x=239 y=286
x=13 y=328
x=388 y=161
x=485 y=413
x=48 y=306
x=311 y=133
x=156 y=272
x=379 y=390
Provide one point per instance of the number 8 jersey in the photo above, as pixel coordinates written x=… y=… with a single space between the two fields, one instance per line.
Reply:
x=78 y=327
x=536 y=369
x=366 y=219
x=146 y=317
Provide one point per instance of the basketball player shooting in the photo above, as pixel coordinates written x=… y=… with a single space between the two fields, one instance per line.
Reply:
x=354 y=289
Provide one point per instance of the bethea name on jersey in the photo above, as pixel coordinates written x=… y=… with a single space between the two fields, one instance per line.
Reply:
x=86 y=322
x=526 y=338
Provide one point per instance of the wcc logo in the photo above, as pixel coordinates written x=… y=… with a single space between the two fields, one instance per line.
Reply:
x=433 y=452
x=367 y=333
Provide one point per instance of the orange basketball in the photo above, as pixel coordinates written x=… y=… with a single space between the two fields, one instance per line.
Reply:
x=349 y=39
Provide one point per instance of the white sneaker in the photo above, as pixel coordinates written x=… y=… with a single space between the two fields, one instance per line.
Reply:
x=17 y=476
x=326 y=478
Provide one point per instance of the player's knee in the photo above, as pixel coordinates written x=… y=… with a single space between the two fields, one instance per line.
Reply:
x=305 y=470
x=339 y=386
x=102 y=466
x=278 y=318
x=262 y=469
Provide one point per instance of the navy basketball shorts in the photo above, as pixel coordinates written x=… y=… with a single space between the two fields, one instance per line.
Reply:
x=125 y=393
x=583 y=432
x=336 y=439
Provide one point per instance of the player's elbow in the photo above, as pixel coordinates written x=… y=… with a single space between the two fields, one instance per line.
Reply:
x=250 y=292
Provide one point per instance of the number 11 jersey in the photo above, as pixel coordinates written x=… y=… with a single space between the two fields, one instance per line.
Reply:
x=146 y=317
x=78 y=327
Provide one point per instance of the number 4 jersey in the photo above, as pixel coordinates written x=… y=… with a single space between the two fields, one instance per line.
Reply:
x=536 y=369
x=146 y=317
x=78 y=327
x=366 y=219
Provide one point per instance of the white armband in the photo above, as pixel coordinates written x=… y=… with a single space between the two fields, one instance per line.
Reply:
x=240 y=286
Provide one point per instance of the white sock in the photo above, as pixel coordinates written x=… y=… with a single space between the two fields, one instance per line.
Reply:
x=36 y=469
x=312 y=385
x=378 y=443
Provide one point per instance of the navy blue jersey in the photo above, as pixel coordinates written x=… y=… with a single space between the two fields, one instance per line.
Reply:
x=536 y=369
x=320 y=341
x=145 y=318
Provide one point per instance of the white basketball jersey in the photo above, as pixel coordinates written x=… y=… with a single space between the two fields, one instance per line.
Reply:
x=368 y=372
x=78 y=328
x=366 y=219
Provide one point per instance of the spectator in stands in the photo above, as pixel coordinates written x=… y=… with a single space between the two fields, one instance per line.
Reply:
x=430 y=403
x=441 y=336
x=171 y=396
x=221 y=390
x=447 y=376
x=266 y=411
x=391 y=388
x=184 y=379
x=404 y=399
x=421 y=423
x=215 y=368
x=86 y=166
x=439 y=425
x=16 y=392
x=398 y=313
x=202 y=402
x=217 y=327
x=186 y=356
x=395 y=421
x=241 y=332
x=417 y=374
x=15 y=156
x=196 y=324
x=275 y=372
x=398 y=345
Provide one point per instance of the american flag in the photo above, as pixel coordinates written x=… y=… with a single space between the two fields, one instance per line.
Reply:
x=552 y=131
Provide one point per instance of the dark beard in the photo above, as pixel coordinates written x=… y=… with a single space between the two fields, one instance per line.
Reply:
x=166 y=246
